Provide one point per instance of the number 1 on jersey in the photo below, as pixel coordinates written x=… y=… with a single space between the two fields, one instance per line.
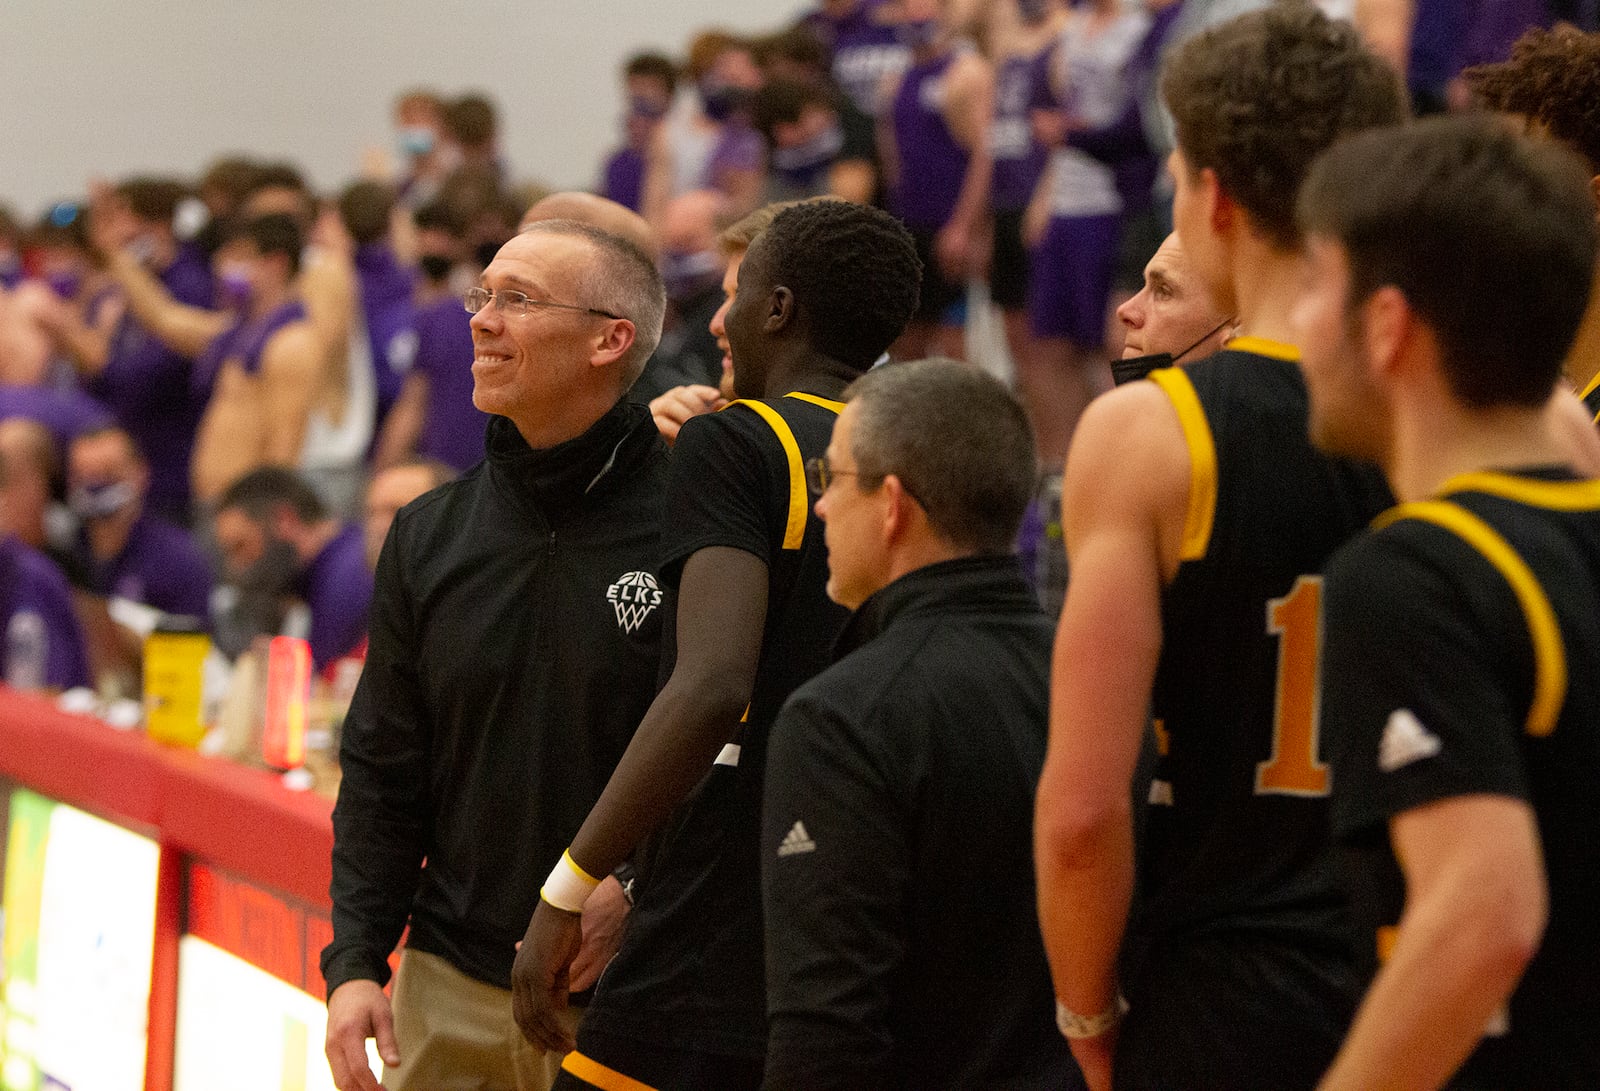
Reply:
x=1293 y=769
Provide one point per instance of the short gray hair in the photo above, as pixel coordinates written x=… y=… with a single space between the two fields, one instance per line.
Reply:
x=624 y=281
x=957 y=439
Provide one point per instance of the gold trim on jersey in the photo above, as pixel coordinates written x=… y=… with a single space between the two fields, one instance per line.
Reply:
x=794 y=531
x=1554 y=495
x=1549 y=653
x=1590 y=388
x=1264 y=346
x=1202 y=461
x=802 y=396
x=595 y=1074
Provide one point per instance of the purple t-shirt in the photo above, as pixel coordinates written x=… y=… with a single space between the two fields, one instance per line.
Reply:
x=67 y=413
x=864 y=52
x=337 y=587
x=453 y=428
x=1019 y=159
x=146 y=386
x=932 y=165
x=161 y=566
x=386 y=292
x=40 y=624
x=244 y=341
x=624 y=178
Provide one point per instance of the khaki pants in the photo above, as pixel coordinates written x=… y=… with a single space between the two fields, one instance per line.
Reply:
x=456 y=1033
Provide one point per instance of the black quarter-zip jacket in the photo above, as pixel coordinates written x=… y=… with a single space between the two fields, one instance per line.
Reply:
x=514 y=648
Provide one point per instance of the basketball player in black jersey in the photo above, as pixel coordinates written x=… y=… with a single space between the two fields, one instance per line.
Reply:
x=1197 y=517
x=820 y=295
x=1460 y=695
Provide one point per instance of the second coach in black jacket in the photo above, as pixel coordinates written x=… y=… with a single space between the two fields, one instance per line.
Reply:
x=903 y=945
x=514 y=647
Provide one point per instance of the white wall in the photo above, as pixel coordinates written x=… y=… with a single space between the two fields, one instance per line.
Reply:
x=109 y=87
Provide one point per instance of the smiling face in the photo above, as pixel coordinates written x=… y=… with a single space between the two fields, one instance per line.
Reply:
x=746 y=320
x=525 y=365
x=1172 y=311
x=719 y=321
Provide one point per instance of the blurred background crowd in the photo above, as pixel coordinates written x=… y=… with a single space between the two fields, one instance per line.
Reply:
x=215 y=391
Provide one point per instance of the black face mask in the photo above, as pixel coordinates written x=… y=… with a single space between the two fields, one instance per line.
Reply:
x=485 y=252
x=273 y=573
x=1134 y=368
x=435 y=266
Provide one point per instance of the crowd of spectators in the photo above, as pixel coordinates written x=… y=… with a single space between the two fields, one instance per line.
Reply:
x=169 y=345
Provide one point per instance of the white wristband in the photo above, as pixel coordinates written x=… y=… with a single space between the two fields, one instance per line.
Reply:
x=1073 y=1025
x=568 y=886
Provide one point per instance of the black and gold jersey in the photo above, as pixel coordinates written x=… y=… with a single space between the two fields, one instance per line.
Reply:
x=689 y=974
x=1591 y=398
x=1463 y=639
x=1236 y=836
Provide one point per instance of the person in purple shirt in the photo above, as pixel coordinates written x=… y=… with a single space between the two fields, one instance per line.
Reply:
x=386 y=288
x=865 y=49
x=935 y=134
x=434 y=416
x=127 y=552
x=43 y=641
x=650 y=80
x=66 y=413
x=142 y=380
x=279 y=545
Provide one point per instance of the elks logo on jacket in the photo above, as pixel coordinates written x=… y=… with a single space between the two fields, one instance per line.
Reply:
x=633 y=596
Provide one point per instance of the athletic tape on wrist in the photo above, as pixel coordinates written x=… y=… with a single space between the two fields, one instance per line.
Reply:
x=568 y=886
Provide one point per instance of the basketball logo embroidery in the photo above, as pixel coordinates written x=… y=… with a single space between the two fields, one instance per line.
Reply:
x=633 y=596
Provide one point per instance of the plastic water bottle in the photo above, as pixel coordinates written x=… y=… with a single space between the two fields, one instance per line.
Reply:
x=26 y=649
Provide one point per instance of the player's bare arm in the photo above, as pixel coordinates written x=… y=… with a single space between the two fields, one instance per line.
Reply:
x=1124 y=498
x=1475 y=912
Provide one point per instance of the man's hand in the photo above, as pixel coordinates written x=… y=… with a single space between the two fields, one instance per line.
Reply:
x=358 y=1010
x=604 y=914
x=1094 y=1056
x=540 y=977
x=680 y=403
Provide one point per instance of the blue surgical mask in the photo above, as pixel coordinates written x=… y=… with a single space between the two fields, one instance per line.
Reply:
x=236 y=287
x=416 y=141
x=1033 y=12
x=687 y=275
x=100 y=499
x=647 y=108
x=819 y=150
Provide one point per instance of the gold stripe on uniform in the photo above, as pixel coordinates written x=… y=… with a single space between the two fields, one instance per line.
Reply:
x=800 y=395
x=1549 y=653
x=1553 y=495
x=1264 y=346
x=794 y=532
x=1586 y=391
x=592 y=1072
x=1202 y=461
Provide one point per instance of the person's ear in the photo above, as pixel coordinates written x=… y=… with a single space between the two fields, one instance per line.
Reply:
x=780 y=310
x=900 y=510
x=613 y=342
x=1387 y=325
x=1221 y=211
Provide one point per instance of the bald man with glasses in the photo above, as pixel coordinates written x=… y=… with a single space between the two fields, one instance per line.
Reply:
x=514 y=649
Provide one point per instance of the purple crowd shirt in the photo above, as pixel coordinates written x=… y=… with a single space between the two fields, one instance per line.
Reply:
x=337 y=587
x=864 y=52
x=67 y=413
x=386 y=293
x=932 y=165
x=624 y=178
x=453 y=428
x=160 y=566
x=36 y=606
x=146 y=386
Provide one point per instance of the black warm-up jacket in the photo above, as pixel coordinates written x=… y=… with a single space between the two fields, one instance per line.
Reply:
x=514 y=649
